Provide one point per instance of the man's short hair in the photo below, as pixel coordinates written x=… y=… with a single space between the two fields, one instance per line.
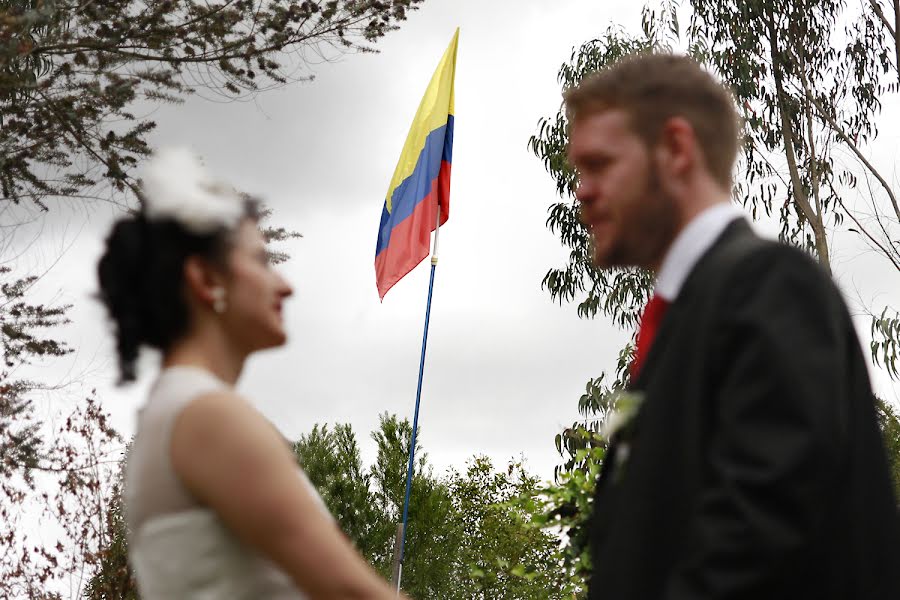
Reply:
x=654 y=87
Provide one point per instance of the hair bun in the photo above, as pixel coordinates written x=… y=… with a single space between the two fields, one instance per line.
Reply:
x=119 y=272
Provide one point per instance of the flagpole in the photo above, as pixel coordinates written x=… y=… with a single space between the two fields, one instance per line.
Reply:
x=415 y=427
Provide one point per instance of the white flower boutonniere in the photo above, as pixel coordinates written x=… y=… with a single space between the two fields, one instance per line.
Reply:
x=618 y=423
x=626 y=408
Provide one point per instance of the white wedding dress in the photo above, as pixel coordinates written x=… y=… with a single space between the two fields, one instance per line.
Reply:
x=177 y=547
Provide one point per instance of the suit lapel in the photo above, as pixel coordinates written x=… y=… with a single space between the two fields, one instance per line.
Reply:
x=694 y=284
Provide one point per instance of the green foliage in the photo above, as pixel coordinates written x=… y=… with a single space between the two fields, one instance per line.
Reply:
x=468 y=536
x=368 y=505
x=72 y=72
x=565 y=508
x=332 y=462
x=889 y=421
x=21 y=323
x=508 y=556
x=617 y=294
x=431 y=536
x=393 y=439
x=595 y=406
x=885 y=343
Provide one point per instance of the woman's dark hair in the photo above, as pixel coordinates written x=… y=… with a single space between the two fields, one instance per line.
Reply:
x=141 y=277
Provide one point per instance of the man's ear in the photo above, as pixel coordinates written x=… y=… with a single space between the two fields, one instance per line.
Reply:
x=201 y=279
x=677 y=150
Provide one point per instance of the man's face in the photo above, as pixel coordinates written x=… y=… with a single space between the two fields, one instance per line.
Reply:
x=630 y=219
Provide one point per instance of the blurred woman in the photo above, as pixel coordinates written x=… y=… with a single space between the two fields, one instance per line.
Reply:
x=216 y=505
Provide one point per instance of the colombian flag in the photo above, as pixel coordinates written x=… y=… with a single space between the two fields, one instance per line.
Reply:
x=421 y=181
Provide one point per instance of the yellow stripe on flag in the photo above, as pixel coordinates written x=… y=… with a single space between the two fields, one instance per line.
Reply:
x=436 y=105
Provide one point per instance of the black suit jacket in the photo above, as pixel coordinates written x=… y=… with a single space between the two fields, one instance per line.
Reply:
x=755 y=468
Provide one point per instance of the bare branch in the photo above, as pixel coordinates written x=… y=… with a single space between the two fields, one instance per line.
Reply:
x=856 y=151
x=876 y=8
x=862 y=229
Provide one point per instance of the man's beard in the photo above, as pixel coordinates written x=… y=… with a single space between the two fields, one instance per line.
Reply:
x=644 y=240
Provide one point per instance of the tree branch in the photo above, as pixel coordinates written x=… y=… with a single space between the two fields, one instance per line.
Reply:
x=219 y=54
x=796 y=185
x=893 y=30
x=880 y=14
x=862 y=229
x=813 y=160
x=855 y=149
x=877 y=216
x=897 y=35
x=84 y=144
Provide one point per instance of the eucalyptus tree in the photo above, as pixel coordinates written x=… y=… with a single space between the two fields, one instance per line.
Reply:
x=810 y=77
x=809 y=99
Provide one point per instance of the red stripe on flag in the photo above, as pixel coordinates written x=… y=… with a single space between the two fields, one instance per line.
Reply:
x=411 y=238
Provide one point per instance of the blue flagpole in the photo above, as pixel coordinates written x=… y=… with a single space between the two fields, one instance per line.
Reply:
x=415 y=427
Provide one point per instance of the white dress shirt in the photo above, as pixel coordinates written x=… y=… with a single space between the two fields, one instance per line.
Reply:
x=692 y=243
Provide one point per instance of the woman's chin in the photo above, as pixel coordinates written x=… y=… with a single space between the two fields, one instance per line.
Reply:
x=273 y=339
x=279 y=339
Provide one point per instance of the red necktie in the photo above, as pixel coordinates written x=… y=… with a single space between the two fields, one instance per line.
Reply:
x=652 y=317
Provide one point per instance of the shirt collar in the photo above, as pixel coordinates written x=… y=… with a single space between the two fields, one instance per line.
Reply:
x=692 y=243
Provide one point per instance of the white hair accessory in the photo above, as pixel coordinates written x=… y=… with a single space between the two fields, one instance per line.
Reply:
x=176 y=186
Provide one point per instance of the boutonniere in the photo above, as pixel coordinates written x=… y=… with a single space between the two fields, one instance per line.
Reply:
x=626 y=407
x=618 y=425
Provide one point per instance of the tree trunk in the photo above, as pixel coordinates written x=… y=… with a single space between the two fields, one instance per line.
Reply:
x=897 y=35
x=800 y=197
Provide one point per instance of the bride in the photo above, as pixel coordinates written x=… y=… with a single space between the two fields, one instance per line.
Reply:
x=215 y=503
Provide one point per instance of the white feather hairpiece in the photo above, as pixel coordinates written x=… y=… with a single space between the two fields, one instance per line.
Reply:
x=176 y=185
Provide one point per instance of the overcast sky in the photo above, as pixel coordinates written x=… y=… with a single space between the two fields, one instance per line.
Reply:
x=505 y=365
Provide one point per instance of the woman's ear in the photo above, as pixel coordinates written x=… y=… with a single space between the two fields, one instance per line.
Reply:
x=202 y=281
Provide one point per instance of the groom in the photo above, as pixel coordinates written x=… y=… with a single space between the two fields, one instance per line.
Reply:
x=754 y=467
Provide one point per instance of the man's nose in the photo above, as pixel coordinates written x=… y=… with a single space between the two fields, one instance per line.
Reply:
x=584 y=192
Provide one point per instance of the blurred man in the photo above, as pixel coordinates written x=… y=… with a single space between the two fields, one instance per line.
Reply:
x=753 y=467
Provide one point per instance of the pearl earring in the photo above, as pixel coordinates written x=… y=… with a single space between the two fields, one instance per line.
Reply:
x=219 y=304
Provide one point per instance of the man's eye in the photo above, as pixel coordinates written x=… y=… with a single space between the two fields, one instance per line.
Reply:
x=597 y=164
